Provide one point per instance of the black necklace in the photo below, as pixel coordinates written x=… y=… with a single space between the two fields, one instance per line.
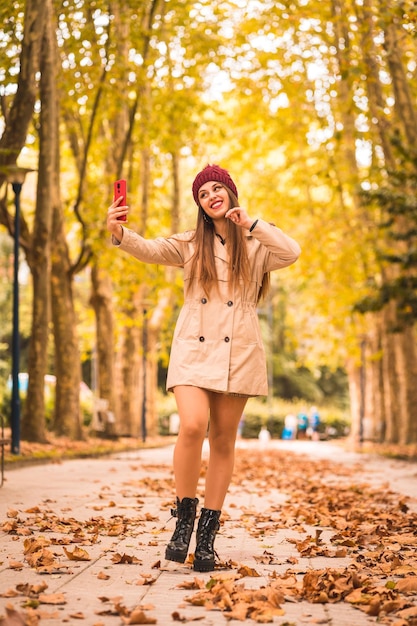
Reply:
x=222 y=241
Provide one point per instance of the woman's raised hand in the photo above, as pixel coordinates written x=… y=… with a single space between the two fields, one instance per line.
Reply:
x=114 y=222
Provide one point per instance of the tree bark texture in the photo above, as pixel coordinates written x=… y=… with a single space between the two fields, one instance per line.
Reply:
x=33 y=422
x=67 y=419
x=128 y=378
x=405 y=345
x=101 y=301
x=391 y=353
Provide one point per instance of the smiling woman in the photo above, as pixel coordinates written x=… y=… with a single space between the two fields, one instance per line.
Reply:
x=217 y=358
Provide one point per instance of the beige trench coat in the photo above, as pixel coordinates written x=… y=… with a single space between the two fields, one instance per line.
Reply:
x=217 y=342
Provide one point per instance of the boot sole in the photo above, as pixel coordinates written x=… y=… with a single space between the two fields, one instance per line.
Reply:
x=174 y=555
x=204 y=566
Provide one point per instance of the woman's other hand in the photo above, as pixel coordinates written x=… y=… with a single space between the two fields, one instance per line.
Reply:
x=239 y=217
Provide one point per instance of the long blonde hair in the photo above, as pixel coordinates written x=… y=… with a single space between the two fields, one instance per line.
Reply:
x=203 y=268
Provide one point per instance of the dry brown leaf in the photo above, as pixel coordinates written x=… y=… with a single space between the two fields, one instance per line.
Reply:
x=409 y=613
x=78 y=554
x=245 y=570
x=52 y=598
x=34 y=544
x=9 y=527
x=407 y=585
x=145 y=580
x=391 y=606
x=176 y=617
x=116 y=529
x=14 y=618
x=267 y=558
x=266 y=615
x=125 y=558
x=41 y=559
x=239 y=611
x=10 y=593
x=138 y=616
x=28 y=589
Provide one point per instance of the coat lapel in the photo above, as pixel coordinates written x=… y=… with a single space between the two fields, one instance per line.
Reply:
x=220 y=251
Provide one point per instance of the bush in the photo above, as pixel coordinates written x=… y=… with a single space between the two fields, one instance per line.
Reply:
x=334 y=422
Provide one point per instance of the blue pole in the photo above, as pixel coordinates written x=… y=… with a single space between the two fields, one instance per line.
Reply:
x=15 y=418
x=145 y=348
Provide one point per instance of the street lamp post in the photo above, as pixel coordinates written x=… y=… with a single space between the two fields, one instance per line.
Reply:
x=16 y=176
x=144 y=365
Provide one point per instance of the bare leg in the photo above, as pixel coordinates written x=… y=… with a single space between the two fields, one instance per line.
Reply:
x=225 y=414
x=193 y=409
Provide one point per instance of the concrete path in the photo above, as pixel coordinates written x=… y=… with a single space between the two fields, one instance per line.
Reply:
x=114 y=515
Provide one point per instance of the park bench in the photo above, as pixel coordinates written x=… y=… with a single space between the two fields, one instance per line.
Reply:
x=3 y=443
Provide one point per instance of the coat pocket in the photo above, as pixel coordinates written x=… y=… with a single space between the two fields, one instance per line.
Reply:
x=247 y=330
x=188 y=323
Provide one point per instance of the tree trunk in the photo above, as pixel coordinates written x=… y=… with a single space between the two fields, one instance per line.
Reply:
x=128 y=378
x=407 y=374
x=152 y=426
x=376 y=378
x=33 y=422
x=67 y=357
x=391 y=383
x=101 y=300
x=353 y=370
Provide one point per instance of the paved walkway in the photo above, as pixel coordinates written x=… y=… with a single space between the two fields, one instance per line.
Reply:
x=112 y=512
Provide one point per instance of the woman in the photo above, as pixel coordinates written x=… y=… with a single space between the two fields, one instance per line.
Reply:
x=217 y=358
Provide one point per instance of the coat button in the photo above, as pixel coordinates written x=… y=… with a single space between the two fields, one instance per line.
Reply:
x=204 y=300
x=230 y=303
x=227 y=339
x=201 y=338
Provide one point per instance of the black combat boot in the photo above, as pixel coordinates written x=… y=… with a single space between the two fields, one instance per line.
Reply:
x=177 y=549
x=208 y=525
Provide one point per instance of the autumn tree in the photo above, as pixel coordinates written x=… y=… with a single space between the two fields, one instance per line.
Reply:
x=17 y=115
x=33 y=423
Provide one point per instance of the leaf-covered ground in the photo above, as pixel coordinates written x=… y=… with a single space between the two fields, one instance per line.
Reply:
x=304 y=539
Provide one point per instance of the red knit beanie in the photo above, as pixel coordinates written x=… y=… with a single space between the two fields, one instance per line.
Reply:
x=213 y=172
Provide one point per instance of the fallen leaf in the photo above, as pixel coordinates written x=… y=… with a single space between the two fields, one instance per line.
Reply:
x=407 y=584
x=10 y=593
x=245 y=570
x=125 y=558
x=52 y=598
x=146 y=580
x=138 y=616
x=78 y=554
x=14 y=618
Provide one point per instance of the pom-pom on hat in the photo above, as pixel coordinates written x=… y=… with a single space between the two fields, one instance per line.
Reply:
x=213 y=172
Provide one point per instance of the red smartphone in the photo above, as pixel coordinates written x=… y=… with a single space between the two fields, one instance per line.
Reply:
x=120 y=189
